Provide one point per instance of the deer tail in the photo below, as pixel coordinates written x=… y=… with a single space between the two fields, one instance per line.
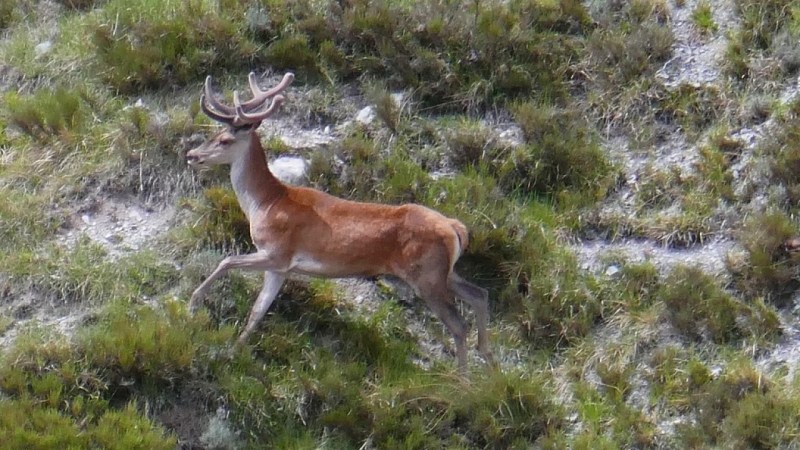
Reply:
x=463 y=239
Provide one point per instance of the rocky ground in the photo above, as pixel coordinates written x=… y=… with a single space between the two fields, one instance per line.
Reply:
x=124 y=224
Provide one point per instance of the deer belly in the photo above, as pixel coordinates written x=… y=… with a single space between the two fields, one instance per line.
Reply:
x=313 y=266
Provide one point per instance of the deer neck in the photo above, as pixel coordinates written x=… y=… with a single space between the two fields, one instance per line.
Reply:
x=255 y=185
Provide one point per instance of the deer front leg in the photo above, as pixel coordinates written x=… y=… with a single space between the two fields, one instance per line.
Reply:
x=272 y=284
x=259 y=261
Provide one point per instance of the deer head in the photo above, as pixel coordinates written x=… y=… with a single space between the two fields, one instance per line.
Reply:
x=241 y=120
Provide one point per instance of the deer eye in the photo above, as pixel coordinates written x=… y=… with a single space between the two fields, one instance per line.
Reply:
x=225 y=140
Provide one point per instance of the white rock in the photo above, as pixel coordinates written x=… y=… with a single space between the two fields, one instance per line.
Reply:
x=135 y=215
x=366 y=115
x=398 y=98
x=43 y=48
x=612 y=270
x=289 y=169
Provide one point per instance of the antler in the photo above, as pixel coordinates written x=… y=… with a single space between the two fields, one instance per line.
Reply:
x=242 y=113
x=248 y=118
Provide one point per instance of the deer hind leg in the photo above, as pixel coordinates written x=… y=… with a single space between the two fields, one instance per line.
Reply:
x=478 y=299
x=272 y=284
x=441 y=300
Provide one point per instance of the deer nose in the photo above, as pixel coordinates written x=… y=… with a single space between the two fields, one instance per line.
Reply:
x=193 y=159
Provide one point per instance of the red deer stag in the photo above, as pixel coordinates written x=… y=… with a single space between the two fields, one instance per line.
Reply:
x=304 y=231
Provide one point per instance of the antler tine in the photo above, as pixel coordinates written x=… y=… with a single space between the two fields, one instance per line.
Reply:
x=213 y=114
x=259 y=96
x=213 y=108
x=248 y=118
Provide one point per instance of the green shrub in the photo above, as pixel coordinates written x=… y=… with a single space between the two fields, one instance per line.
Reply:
x=149 y=44
x=703 y=18
x=698 y=307
x=561 y=152
x=220 y=223
x=73 y=391
x=762 y=420
x=292 y=52
x=8 y=13
x=695 y=108
x=768 y=270
x=498 y=411
x=84 y=275
x=59 y=112
x=714 y=400
x=79 y=4
x=782 y=157
x=469 y=142
x=767 y=27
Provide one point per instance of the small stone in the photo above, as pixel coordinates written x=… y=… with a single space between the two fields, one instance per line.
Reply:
x=135 y=215
x=612 y=270
x=366 y=115
x=43 y=48
x=289 y=169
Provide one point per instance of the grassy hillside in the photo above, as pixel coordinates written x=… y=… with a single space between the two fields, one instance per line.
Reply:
x=548 y=127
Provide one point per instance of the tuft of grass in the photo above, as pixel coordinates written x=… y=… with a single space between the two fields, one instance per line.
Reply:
x=293 y=52
x=469 y=142
x=695 y=108
x=716 y=398
x=761 y=20
x=677 y=375
x=149 y=44
x=460 y=58
x=561 y=153
x=506 y=410
x=767 y=28
x=220 y=222
x=631 y=42
x=703 y=18
x=713 y=169
x=762 y=420
x=698 y=308
x=659 y=188
x=96 y=380
x=84 y=274
x=627 y=429
x=8 y=13
x=782 y=158
x=78 y=4
x=24 y=424
x=60 y=112
x=386 y=106
x=25 y=219
x=769 y=270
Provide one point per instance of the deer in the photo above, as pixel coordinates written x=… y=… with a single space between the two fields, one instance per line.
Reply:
x=303 y=231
